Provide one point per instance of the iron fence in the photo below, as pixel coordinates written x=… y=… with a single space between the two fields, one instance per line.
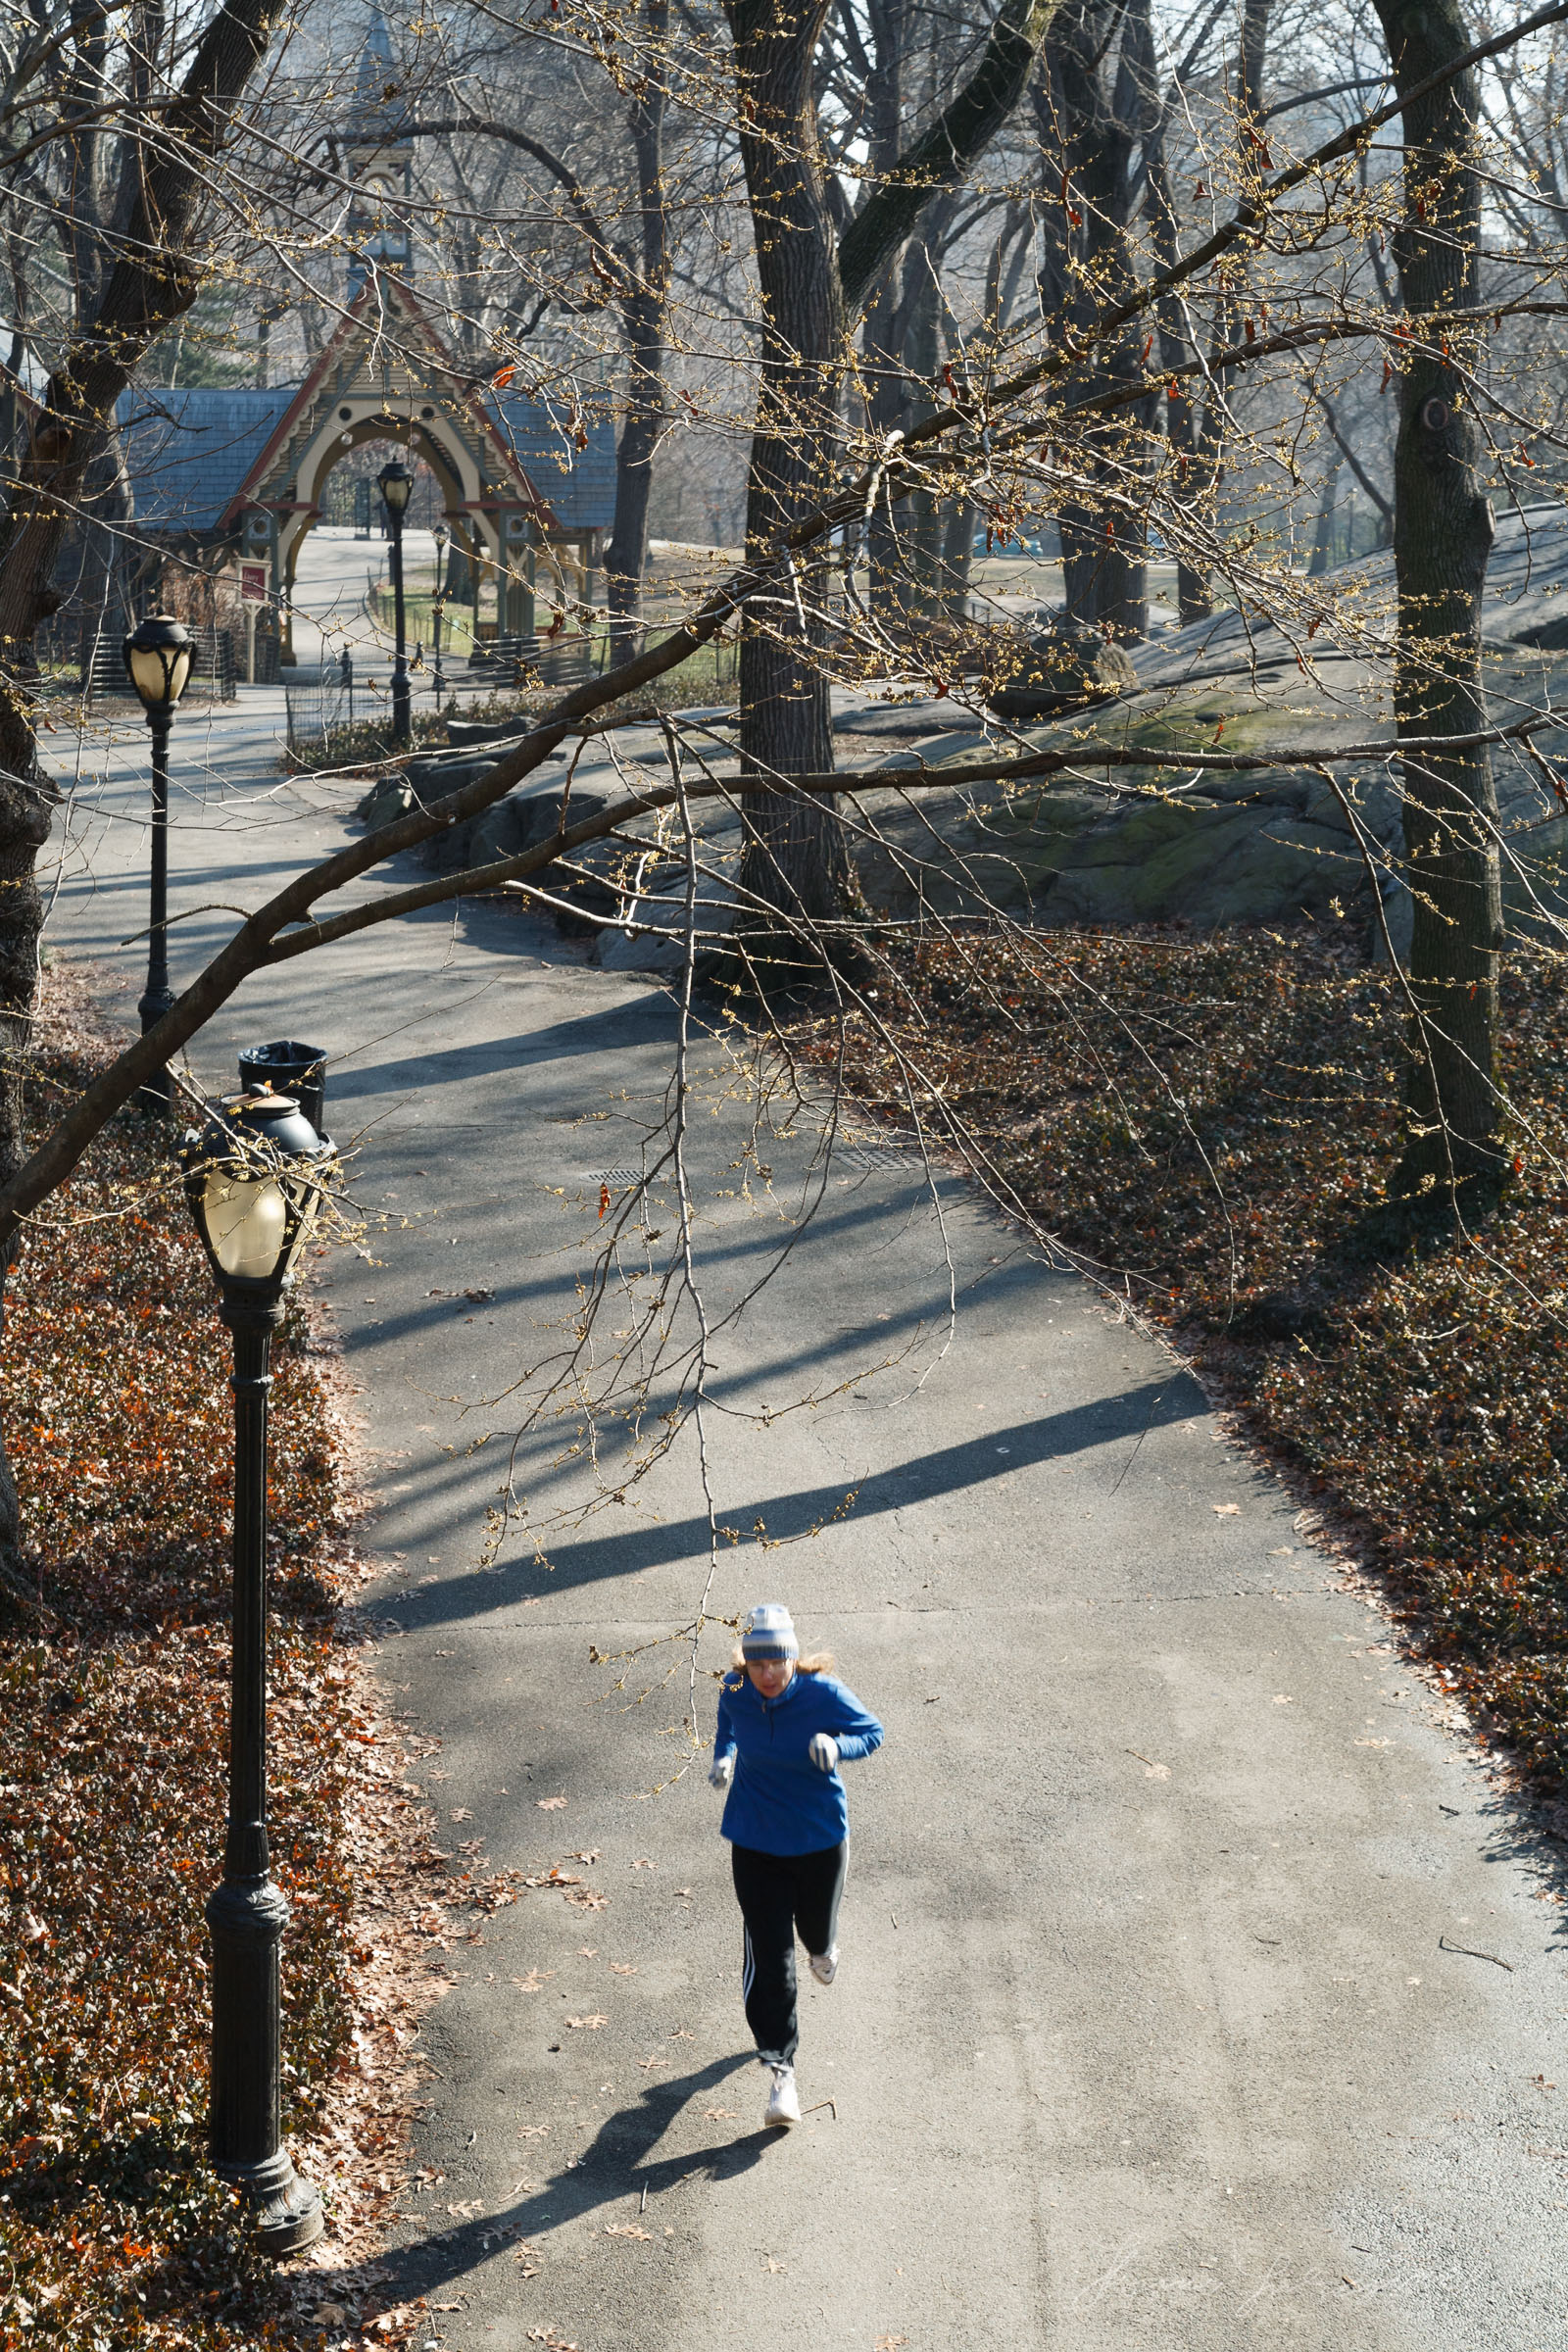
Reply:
x=317 y=713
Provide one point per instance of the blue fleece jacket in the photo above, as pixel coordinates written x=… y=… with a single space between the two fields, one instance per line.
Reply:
x=778 y=1801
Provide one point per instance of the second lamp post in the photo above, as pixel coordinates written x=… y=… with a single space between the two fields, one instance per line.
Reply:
x=397 y=486
x=437 y=610
x=158 y=657
x=254 y=1178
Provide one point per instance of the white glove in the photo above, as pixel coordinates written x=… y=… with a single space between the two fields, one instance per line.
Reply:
x=721 y=1770
x=824 y=1751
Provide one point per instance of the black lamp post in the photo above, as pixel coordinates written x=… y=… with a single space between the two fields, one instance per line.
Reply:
x=397 y=486
x=253 y=1179
x=440 y=537
x=158 y=657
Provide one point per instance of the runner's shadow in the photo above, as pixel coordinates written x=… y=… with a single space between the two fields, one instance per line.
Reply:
x=614 y=2168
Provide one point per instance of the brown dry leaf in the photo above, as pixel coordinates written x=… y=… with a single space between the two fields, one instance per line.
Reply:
x=623 y=1968
x=720 y=2115
x=1221 y=1510
x=592 y=2023
x=626 y=2229
x=656 y=2060
x=890 y=2343
x=534 y=1981
x=550 y=1804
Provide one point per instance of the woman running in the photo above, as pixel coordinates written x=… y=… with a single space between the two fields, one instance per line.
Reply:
x=784 y=1727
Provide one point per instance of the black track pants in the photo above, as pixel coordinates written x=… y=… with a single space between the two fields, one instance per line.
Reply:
x=778 y=1893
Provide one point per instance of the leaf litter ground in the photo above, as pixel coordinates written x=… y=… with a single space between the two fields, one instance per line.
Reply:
x=113 y=1690
x=1210 y=1126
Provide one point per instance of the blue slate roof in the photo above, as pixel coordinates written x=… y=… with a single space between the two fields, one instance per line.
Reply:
x=188 y=451
x=578 y=485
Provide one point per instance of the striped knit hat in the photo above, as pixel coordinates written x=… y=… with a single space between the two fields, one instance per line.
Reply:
x=769 y=1633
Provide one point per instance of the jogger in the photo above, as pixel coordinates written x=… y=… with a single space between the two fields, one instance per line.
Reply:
x=784 y=1727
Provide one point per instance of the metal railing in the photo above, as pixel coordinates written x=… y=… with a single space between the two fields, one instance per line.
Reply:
x=314 y=713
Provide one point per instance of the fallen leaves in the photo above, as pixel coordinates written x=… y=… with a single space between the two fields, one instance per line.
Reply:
x=1224 y=1141
x=628 y=2230
x=588 y=2025
x=550 y=1804
x=113 y=2232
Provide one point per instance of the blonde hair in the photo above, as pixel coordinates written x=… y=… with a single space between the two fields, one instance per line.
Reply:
x=820 y=1661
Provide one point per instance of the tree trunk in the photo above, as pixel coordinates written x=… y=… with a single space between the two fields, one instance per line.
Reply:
x=150 y=284
x=645 y=314
x=1089 y=134
x=797 y=857
x=1196 y=432
x=1323 y=530
x=1442 y=538
x=626 y=557
x=906 y=542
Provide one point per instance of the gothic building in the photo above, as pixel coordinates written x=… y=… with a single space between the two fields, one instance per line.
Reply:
x=225 y=477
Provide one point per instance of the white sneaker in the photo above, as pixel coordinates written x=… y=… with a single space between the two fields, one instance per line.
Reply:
x=825 y=1965
x=783 y=2100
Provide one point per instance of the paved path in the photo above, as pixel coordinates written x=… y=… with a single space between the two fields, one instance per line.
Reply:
x=1144 y=2039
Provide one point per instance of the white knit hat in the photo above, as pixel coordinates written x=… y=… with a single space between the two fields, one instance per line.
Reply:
x=769 y=1633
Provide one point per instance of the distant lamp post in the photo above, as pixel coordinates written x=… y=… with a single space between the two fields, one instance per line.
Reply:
x=440 y=535
x=254 y=1178
x=158 y=655
x=397 y=487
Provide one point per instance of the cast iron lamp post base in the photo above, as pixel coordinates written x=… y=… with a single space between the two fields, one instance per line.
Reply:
x=248 y=1914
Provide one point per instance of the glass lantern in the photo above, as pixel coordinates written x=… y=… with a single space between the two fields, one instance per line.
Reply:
x=157 y=655
x=254 y=1178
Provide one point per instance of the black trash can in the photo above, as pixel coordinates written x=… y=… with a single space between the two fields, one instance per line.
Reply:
x=290 y=1068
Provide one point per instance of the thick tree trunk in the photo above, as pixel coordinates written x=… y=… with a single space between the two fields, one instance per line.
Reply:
x=1088 y=135
x=1442 y=538
x=797 y=857
x=626 y=557
x=1196 y=431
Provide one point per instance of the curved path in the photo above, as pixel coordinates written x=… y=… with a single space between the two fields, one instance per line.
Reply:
x=1151 y=2035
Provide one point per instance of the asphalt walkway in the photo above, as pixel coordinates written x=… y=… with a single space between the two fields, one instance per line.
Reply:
x=1196 y=1995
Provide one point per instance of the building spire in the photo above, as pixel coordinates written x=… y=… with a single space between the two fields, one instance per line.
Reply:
x=378 y=157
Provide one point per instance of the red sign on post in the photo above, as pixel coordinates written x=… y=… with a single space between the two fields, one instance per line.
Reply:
x=253 y=583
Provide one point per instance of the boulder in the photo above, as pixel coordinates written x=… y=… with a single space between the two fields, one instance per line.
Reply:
x=1061 y=667
x=389 y=798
